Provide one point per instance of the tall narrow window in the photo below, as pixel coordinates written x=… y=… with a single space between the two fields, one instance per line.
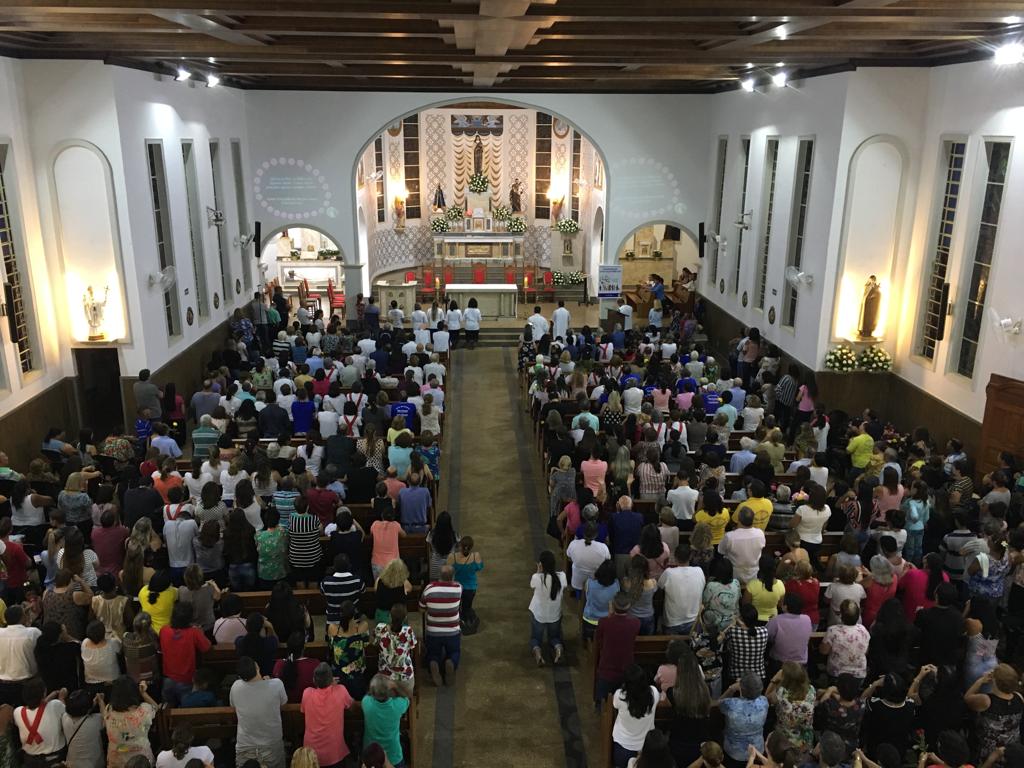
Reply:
x=953 y=153
x=771 y=167
x=222 y=235
x=716 y=218
x=742 y=214
x=378 y=163
x=195 y=227
x=244 y=226
x=411 y=145
x=542 y=167
x=18 y=301
x=162 y=221
x=997 y=156
x=798 y=224
x=577 y=147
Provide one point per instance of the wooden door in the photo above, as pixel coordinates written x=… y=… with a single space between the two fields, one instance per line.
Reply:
x=1003 y=427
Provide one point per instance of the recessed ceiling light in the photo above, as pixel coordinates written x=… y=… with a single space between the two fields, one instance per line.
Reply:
x=1011 y=53
x=212 y=60
x=749 y=65
x=183 y=74
x=212 y=81
x=780 y=63
x=747 y=85
x=779 y=79
x=1011 y=20
x=782 y=33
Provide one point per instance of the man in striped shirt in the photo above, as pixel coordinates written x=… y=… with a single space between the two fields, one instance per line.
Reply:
x=440 y=602
x=340 y=586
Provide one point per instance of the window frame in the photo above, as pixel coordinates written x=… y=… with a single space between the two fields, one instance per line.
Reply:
x=801 y=203
x=746 y=147
x=196 y=229
x=769 y=179
x=163 y=233
x=216 y=178
x=241 y=209
x=411 y=161
x=717 y=205
x=16 y=242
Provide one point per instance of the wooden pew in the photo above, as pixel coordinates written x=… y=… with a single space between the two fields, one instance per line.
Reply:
x=221 y=722
x=315 y=603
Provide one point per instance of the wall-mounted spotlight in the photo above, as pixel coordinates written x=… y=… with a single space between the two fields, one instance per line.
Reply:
x=1011 y=53
x=779 y=79
x=183 y=75
x=748 y=85
x=212 y=81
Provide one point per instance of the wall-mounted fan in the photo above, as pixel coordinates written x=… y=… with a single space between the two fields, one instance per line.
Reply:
x=743 y=222
x=165 y=278
x=1004 y=326
x=796 y=278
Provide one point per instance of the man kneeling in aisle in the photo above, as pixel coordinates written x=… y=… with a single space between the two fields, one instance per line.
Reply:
x=440 y=601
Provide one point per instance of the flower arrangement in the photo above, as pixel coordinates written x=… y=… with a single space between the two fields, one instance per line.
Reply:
x=630 y=254
x=656 y=254
x=567 y=226
x=439 y=225
x=841 y=359
x=568 y=278
x=327 y=253
x=516 y=225
x=501 y=213
x=874 y=360
x=478 y=183
x=454 y=213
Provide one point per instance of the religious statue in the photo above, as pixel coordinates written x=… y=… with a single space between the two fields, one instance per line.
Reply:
x=869 y=308
x=478 y=155
x=439 y=198
x=515 y=196
x=94 y=313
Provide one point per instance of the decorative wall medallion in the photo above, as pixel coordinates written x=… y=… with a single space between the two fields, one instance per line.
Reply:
x=721 y=285
x=771 y=316
x=190 y=316
x=216 y=300
x=394 y=129
x=743 y=299
x=238 y=286
x=292 y=189
x=559 y=127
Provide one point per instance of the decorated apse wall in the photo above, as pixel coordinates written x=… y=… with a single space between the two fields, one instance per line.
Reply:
x=429 y=156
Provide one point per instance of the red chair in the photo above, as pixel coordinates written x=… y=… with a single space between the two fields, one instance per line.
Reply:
x=548 y=286
x=427 y=290
x=449 y=277
x=510 y=275
x=334 y=300
x=410 y=276
x=313 y=298
x=479 y=274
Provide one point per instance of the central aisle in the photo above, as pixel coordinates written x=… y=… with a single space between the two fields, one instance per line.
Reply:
x=503 y=710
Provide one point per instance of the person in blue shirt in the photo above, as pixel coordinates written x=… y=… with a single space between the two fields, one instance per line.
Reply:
x=624 y=527
x=406 y=410
x=303 y=412
x=657 y=287
x=618 y=337
x=414 y=506
x=164 y=443
x=711 y=400
x=143 y=425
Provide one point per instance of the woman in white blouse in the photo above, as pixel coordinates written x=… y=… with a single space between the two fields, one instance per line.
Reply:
x=454 y=322
x=546 y=607
x=472 y=319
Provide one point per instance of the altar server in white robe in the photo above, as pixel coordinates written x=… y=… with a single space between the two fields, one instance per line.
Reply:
x=560 y=321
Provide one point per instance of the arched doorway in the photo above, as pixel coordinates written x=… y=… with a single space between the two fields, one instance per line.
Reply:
x=662 y=247
x=290 y=255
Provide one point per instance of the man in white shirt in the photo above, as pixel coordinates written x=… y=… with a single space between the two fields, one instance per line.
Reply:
x=435 y=368
x=435 y=391
x=684 y=586
x=632 y=399
x=418 y=318
x=17 y=655
x=441 y=339
x=560 y=320
x=668 y=348
x=417 y=373
x=409 y=348
x=396 y=316
x=626 y=312
x=282 y=381
x=40 y=724
x=695 y=367
x=742 y=546
x=683 y=498
x=360 y=360
x=328 y=421
x=367 y=346
x=286 y=399
x=539 y=324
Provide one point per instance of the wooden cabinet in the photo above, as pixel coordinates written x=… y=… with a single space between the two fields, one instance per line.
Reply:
x=1003 y=427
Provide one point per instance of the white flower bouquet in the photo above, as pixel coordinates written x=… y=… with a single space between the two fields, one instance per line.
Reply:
x=478 y=183
x=874 y=359
x=516 y=225
x=567 y=226
x=439 y=225
x=841 y=359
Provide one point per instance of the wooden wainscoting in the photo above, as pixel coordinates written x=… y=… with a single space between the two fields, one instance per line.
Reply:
x=1003 y=428
x=24 y=427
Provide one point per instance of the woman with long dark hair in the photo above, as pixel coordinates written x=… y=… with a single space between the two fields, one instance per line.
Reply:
x=285 y=613
x=259 y=642
x=766 y=590
x=295 y=671
x=158 y=598
x=346 y=641
x=548 y=583
x=635 y=704
x=441 y=539
x=745 y=644
x=240 y=547
x=982 y=630
x=917 y=586
x=641 y=586
x=690 y=699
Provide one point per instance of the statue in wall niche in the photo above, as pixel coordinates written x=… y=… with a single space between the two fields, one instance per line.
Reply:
x=869 y=308
x=515 y=197
x=93 y=309
x=439 y=204
x=478 y=155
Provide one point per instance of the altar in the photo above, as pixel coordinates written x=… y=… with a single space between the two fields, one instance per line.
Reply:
x=478 y=246
x=495 y=300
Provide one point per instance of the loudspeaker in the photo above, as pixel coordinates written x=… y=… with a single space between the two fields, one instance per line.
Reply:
x=701 y=239
x=258 y=232
x=672 y=233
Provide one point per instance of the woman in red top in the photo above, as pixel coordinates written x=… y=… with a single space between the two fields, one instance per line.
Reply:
x=804 y=584
x=880 y=585
x=179 y=643
x=296 y=670
x=917 y=586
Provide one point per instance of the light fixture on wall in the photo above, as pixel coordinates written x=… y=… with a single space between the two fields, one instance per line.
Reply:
x=1004 y=325
x=165 y=278
x=244 y=240
x=214 y=218
x=779 y=79
x=556 y=198
x=1011 y=53
x=183 y=75
x=743 y=222
x=212 y=81
x=748 y=84
x=796 y=278
x=400 y=198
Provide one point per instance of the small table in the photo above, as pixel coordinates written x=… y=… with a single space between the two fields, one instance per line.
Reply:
x=495 y=300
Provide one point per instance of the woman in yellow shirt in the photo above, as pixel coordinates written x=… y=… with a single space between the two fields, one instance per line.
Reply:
x=766 y=591
x=158 y=598
x=713 y=513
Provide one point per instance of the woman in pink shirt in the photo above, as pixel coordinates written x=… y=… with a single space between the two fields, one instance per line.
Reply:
x=385 y=534
x=661 y=396
x=917 y=586
x=594 y=471
x=888 y=496
x=324 y=708
x=654 y=550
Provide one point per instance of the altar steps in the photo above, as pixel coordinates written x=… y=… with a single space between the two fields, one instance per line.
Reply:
x=497 y=337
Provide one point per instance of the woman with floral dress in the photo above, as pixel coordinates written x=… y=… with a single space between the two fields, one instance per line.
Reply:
x=793 y=697
x=721 y=597
x=527 y=349
x=396 y=641
x=430 y=451
x=347 y=641
x=128 y=718
x=271 y=549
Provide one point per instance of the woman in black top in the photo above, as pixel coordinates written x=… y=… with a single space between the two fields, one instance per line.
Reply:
x=240 y=550
x=285 y=613
x=892 y=637
x=259 y=642
x=691 y=706
x=347 y=539
x=59 y=658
